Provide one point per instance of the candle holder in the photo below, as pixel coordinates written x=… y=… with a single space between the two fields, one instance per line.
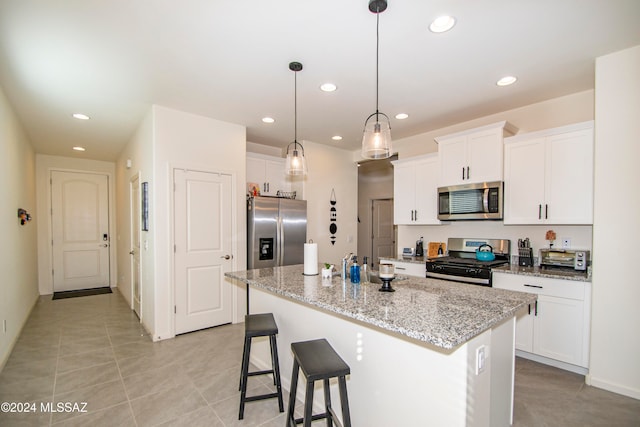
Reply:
x=386 y=275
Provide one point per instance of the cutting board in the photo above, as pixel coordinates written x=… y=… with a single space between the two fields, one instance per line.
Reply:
x=432 y=249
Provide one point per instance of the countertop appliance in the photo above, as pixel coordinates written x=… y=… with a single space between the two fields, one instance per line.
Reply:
x=471 y=201
x=461 y=265
x=564 y=258
x=276 y=231
x=420 y=247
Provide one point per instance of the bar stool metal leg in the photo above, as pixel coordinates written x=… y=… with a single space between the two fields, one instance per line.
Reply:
x=276 y=371
x=244 y=376
x=346 y=417
x=291 y=421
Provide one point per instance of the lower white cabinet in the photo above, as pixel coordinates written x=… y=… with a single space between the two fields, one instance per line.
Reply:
x=407 y=268
x=557 y=325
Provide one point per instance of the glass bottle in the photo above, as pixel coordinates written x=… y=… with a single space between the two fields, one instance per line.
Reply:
x=365 y=271
x=355 y=271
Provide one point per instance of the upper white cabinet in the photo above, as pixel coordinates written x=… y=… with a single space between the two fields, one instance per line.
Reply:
x=549 y=176
x=415 y=186
x=268 y=172
x=475 y=155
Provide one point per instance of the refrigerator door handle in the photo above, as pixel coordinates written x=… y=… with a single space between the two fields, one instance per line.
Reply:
x=279 y=244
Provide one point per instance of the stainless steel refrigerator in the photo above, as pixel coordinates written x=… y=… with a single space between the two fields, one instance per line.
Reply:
x=276 y=231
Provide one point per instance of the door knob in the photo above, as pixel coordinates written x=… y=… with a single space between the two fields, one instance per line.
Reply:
x=227 y=257
x=104 y=246
x=132 y=252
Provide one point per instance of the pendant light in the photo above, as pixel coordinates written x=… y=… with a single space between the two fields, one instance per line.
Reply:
x=296 y=162
x=376 y=140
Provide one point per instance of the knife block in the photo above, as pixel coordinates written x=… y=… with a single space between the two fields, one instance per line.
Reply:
x=525 y=257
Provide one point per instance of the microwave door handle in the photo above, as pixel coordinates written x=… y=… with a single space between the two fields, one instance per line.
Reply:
x=485 y=200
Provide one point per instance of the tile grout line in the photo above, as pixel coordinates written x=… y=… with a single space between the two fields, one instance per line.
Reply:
x=55 y=375
x=126 y=394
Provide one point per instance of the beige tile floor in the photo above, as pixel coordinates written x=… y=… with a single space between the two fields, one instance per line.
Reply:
x=92 y=349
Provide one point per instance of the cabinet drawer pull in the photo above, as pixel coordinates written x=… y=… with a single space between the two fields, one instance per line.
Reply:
x=533 y=286
x=400 y=268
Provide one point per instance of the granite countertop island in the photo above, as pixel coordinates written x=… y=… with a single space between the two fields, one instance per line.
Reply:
x=432 y=353
x=441 y=313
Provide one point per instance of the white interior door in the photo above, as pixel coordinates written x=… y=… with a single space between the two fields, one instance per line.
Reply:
x=203 y=249
x=383 y=233
x=80 y=229
x=135 y=245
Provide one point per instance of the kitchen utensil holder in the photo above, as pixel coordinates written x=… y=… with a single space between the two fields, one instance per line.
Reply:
x=525 y=257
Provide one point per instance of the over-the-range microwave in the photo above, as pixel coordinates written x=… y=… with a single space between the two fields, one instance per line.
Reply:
x=471 y=201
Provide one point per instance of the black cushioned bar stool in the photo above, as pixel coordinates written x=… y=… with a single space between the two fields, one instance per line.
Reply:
x=318 y=361
x=259 y=325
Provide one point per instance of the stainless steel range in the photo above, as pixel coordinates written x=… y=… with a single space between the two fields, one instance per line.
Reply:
x=461 y=265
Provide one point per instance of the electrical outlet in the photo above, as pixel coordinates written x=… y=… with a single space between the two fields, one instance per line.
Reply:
x=480 y=359
x=566 y=242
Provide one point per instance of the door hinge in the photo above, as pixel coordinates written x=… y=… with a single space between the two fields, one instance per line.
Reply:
x=52 y=271
x=174 y=249
x=175 y=309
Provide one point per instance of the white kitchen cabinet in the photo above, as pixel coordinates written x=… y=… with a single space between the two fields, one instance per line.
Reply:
x=472 y=156
x=415 y=190
x=549 y=176
x=406 y=268
x=556 y=327
x=268 y=172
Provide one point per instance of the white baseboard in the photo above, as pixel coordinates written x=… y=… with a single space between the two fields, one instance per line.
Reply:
x=614 y=388
x=552 y=362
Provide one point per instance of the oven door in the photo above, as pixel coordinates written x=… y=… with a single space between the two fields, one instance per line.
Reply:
x=459 y=273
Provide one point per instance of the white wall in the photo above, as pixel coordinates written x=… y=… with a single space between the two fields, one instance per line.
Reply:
x=615 y=326
x=139 y=151
x=183 y=140
x=565 y=110
x=331 y=168
x=18 y=247
x=44 y=165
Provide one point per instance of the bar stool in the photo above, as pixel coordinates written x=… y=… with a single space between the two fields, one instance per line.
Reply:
x=259 y=325
x=318 y=361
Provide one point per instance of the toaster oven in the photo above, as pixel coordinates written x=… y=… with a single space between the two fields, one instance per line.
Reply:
x=567 y=258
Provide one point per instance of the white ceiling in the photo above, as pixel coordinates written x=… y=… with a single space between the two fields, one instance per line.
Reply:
x=228 y=59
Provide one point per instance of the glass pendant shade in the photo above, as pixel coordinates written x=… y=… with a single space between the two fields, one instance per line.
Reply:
x=376 y=139
x=296 y=163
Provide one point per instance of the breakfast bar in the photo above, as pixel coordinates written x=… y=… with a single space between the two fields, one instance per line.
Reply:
x=431 y=353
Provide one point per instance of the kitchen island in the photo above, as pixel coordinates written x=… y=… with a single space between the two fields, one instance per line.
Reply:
x=432 y=353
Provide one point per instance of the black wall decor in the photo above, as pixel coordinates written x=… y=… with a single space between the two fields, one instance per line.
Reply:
x=333 y=217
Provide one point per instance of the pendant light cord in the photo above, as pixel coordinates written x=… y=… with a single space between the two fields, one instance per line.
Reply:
x=295 y=108
x=377 y=54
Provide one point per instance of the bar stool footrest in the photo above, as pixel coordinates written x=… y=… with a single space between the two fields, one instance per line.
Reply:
x=261 y=397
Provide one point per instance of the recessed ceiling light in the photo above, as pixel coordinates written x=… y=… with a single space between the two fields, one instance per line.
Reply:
x=336 y=138
x=81 y=116
x=401 y=116
x=442 y=24
x=78 y=148
x=268 y=120
x=506 y=81
x=328 y=87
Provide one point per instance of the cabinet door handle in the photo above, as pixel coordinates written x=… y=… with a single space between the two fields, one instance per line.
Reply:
x=536 y=311
x=546 y=211
x=533 y=286
x=468 y=172
x=416 y=215
x=539 y=211
x=529 y=309
x=463 y=173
